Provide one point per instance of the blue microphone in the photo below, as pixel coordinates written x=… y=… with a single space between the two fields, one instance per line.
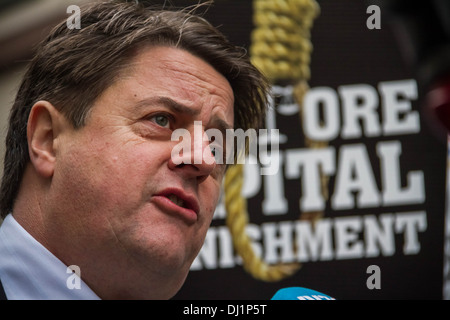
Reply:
x=298 y=293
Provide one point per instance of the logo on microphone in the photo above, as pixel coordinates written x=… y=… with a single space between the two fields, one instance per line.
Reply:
x=315 y=297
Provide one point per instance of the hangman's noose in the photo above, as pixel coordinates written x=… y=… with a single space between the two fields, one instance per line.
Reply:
x=281 y=50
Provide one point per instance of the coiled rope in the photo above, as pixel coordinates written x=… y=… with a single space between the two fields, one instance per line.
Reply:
x=281 y=50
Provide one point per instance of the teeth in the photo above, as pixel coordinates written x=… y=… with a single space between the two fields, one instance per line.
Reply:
x=176 y=200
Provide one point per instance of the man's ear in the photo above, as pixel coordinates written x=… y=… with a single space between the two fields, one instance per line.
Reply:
x=42 y=129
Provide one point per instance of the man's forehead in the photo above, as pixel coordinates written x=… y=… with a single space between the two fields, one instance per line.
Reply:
x=175 y=78
x=178 y=62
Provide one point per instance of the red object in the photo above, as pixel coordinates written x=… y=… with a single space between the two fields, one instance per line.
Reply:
x=438 y=101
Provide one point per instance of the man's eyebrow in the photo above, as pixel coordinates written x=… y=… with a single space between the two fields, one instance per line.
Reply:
x=220 y=124
x=173 y=105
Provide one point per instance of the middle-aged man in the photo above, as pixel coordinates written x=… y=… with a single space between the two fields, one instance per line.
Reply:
x=89 y=179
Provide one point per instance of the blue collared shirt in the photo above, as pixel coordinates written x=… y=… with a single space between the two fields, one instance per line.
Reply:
x=29 y=271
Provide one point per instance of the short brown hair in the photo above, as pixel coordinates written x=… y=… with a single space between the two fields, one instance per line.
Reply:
x=72 y=67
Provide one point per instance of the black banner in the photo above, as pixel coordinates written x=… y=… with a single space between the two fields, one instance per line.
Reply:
x=381 y=231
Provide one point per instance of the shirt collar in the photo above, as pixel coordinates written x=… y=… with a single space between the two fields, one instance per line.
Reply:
x=29 y=271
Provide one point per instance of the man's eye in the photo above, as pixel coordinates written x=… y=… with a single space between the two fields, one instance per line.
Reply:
x=161 y=120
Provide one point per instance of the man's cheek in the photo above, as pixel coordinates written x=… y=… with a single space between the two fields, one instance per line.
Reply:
x=212 y=196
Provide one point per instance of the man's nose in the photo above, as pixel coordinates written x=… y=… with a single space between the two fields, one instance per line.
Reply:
x=193 y=155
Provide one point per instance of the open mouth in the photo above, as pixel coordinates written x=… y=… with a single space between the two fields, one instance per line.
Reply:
x=178 y=201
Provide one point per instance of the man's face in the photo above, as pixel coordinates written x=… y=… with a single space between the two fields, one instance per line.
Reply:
x=128 y=211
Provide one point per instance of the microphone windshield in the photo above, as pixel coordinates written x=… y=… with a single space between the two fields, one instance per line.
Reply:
x=299 y=293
